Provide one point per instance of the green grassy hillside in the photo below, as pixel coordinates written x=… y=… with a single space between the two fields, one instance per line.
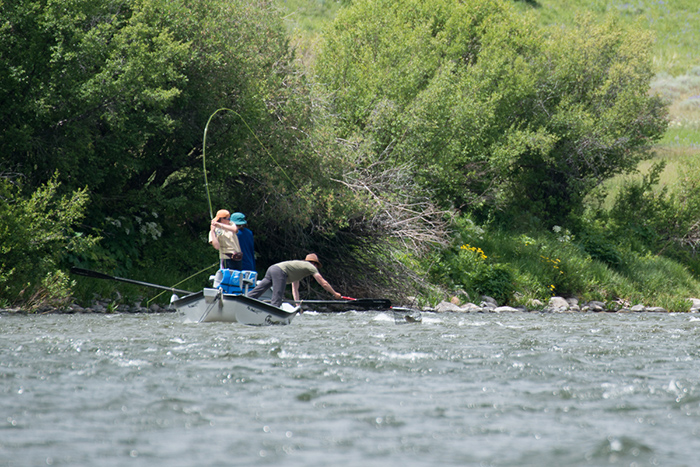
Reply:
x=675 y=23
x=305 y=20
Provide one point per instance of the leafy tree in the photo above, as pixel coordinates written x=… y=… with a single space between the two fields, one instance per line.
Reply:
x=494 y=111
x=114 y=96
x=85 y=87
x=592 y=103
x=88 y=86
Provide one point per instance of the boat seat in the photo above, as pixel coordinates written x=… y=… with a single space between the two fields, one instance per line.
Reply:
x=232 y=281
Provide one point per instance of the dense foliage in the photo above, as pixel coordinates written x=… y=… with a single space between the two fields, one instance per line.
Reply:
x=36 y=235
x=493 y=109
x=417 y=113
x=113 y=96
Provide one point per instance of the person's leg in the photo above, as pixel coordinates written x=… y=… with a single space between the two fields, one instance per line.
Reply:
x=262 y=286
x=279 y=283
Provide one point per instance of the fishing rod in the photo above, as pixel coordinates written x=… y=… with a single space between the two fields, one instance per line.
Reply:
x=204 y=151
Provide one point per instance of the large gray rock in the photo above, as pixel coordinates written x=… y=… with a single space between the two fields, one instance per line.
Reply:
x=558 y=304
x=595 y=306
x=470 y=308
x=446 y=307
x=488 y=301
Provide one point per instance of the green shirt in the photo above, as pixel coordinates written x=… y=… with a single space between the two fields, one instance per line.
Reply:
x=296 y=270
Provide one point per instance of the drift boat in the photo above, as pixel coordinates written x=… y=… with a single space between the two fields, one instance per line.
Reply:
x=215 y=305
x=227 y=301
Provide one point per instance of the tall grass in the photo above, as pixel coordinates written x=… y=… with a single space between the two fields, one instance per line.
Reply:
x=308 y=16
x=547 y=264
x=683 y=95
x=305 y=21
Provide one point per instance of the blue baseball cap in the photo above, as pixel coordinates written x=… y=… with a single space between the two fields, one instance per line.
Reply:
x=238 y=218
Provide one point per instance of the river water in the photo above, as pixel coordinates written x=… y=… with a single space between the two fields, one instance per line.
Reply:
x=351 y=389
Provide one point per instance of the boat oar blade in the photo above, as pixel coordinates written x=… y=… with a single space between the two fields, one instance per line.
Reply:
x=100 y=275
x=358 y=303
x=374 y=303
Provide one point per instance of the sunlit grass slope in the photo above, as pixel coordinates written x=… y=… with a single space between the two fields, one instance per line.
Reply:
x=675 y=23
x=676 y=52
x=305 y=21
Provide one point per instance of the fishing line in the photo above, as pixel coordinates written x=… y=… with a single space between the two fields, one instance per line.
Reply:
x=183 y=280
x=204 y=157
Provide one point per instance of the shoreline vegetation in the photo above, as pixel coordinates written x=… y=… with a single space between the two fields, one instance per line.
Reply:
x=455 y=305
x=520 y=150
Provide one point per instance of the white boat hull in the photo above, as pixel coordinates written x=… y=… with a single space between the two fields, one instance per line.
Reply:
x=212 y=305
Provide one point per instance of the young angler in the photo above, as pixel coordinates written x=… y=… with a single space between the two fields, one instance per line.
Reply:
x=222 y=236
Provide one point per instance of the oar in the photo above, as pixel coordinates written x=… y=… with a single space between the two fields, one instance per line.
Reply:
x=99 y=275
x=376 y=303
x=369 y=302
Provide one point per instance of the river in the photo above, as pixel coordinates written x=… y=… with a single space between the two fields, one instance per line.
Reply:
x=351 y=389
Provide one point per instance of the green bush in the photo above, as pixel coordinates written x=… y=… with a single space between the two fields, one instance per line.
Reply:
x=36 y=234
x=499 y=115
x=647 y=218
x=516 y=267
x=466 y=267
x=495 y=280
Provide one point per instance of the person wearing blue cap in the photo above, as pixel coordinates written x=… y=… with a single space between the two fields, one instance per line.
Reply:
x=245 y=239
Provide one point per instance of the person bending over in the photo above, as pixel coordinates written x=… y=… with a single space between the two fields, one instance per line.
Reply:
x=291 y=272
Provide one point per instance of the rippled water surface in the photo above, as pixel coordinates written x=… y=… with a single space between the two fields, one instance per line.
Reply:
x=521 y=389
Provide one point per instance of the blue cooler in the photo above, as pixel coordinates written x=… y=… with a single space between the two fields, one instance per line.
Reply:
x=233 y=281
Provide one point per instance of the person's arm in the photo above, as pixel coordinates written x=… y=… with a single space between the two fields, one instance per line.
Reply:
x=214 y=240
x=324 y=283
x=295 y=291
x=232 y=227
